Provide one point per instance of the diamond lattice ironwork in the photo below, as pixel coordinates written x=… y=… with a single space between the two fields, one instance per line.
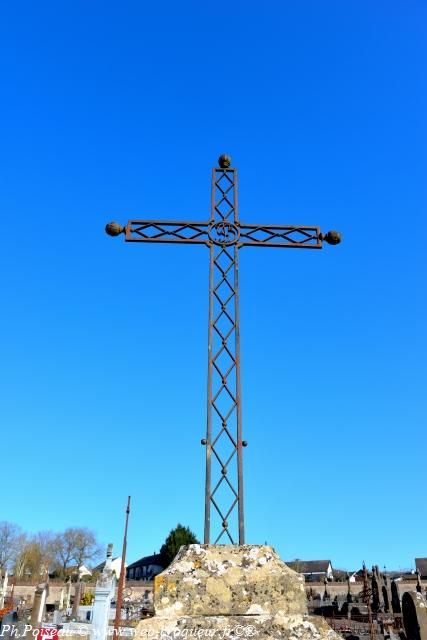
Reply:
x=224 y=234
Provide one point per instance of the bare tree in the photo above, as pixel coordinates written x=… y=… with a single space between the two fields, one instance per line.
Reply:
x=45 y=551
x=37 y=556
x=29 y=562
x=12 y=540
x=45 y=541
x=75 y=545
x=64 y=545
x=86 y=546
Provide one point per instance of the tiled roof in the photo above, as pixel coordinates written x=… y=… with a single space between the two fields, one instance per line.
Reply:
x=147 y=560
x=99 y=567
x=309 y=566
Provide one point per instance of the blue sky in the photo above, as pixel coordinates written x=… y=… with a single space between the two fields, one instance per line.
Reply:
x=119 y=110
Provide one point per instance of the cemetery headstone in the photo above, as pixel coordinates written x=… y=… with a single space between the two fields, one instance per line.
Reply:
x=39 y=603
x=76 y=601
x=3 y=589
x=104 y=592
x=395 y=598
x=61 y=600
x=419 y=589
x=68 y=595
x=414 y=614
x=349 y=594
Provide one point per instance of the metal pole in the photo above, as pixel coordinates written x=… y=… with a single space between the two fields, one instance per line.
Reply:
x=207 y=442
x=119 y=599
x=239 y=434
x=238 y=403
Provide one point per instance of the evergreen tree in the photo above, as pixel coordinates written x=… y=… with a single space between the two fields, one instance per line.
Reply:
x=176 y=538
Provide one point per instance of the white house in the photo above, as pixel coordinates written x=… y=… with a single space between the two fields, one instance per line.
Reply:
x=313 y=570
x=116 y=567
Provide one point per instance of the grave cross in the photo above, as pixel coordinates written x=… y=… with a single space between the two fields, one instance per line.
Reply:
x=224 y=235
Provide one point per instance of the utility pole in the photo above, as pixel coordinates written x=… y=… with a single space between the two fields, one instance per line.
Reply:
x=119 y=598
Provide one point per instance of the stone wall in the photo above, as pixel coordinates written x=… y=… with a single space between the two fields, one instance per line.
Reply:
x=140 y=586
x=27 y=590
x=340 y=588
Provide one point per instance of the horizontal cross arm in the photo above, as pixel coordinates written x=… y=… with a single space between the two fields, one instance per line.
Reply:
x=276 y=235
x=164 y=231
x=224 y=233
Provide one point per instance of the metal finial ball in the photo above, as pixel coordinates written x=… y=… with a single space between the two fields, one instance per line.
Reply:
x=114 y=228
x=224 y=161
x=332 y=237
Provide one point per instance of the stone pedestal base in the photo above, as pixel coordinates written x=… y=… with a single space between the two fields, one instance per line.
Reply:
x=259 y=627
x=230 y=591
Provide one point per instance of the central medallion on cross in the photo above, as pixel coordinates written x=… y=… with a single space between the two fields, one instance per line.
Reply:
x=224 y=233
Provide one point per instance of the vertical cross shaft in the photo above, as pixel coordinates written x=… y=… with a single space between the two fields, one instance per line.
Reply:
x=224 y=418
x=224 y=235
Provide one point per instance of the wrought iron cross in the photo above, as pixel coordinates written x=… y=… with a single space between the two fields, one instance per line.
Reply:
x=224 y=235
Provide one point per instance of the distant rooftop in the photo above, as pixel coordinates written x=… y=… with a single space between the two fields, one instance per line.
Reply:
x=421 y=565
x=146 y=561
x=99 y=567
x=310 y=566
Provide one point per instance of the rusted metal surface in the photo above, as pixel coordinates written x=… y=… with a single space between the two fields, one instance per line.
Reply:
x=224 y=420
x=119 y=600
x=366 y=596
x=224 y=235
